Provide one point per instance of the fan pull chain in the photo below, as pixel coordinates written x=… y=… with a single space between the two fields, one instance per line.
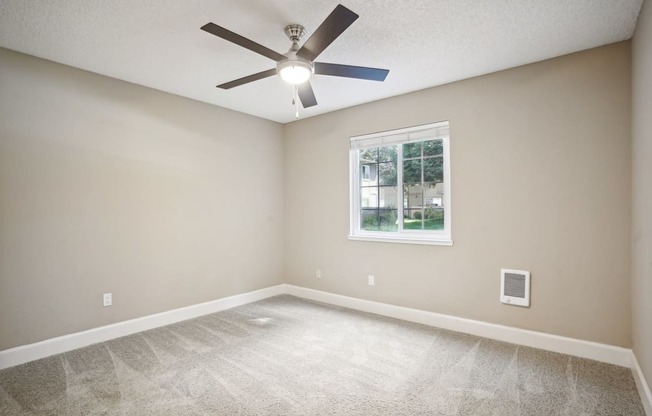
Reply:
x=295 y=100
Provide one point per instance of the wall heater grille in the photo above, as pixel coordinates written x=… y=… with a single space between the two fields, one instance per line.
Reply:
x=515 y=287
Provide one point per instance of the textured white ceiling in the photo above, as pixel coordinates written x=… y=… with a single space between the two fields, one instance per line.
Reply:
x=424 y=43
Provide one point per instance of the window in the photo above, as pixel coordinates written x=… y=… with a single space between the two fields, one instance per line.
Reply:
x=400 y=186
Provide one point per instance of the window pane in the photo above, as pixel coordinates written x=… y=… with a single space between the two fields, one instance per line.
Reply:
x=387 y=154
x=369 y=155
x=433 y=147
x=387 y=197
x=369 y=197
x=412 y=196
x=413 y=219
x=387 y=173
x=412 y=150
x=388 y=220
x=369 y=220
x=433 y=169
x=368 y=174
x=433 y=193
x=433 y=218
x=412 y=171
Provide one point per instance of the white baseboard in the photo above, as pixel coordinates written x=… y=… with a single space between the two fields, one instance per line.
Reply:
x=30 y=352
x=642 y=386
x=579 y=348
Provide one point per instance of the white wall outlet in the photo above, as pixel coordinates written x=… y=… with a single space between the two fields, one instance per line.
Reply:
x=107 y=299
x=371 y=280
x=318 y=273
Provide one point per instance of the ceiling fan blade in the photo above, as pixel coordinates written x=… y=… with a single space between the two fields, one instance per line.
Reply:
x=226 y=34
x=247 y=79
x=307 y=95
x=350 y=71
x=336 y=23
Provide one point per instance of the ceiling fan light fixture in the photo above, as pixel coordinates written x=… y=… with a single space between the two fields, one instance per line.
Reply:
x=295 y=71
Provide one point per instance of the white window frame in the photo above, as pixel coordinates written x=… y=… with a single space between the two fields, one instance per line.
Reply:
x=439 y=130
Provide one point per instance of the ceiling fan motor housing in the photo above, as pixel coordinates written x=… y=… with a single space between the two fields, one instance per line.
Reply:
x=295 y=69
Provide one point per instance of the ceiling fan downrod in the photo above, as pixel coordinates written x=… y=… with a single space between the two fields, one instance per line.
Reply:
x=295 y=33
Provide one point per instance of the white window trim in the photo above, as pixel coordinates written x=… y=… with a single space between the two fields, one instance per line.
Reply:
x=405 y=135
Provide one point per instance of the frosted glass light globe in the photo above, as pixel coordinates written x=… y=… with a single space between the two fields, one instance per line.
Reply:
x=295 y=72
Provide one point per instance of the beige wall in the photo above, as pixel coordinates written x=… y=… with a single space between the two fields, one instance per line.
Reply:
x=107 y=186
x=540 y=181
x=642 y=190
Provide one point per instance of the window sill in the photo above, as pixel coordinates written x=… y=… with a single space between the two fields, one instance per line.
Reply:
x=401 y=240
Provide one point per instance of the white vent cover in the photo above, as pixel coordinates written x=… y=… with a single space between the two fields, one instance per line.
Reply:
x=515 y=287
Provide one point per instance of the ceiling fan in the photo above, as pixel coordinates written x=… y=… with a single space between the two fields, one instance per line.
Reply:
x=298 y=64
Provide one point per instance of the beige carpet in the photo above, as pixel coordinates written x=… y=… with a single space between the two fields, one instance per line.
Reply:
x=288 y=356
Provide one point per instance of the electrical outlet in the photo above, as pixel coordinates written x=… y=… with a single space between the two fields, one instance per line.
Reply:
x=318 y=273
x=371 y=280
x=107 y=299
